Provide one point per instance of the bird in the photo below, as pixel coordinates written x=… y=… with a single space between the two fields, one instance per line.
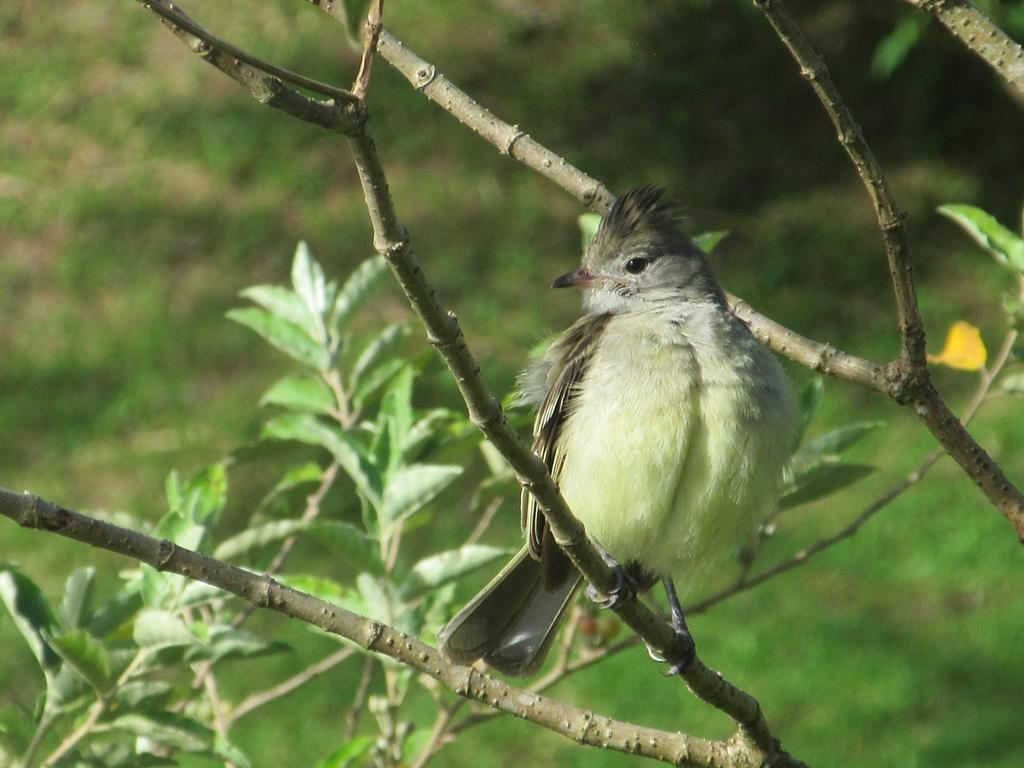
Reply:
x=665 y=424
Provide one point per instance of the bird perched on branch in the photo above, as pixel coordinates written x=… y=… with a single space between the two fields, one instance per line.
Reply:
x=663 y=421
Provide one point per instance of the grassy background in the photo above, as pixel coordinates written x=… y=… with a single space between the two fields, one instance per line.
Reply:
x=140 y=191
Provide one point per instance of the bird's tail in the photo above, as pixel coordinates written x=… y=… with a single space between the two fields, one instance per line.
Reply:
x=512 y=622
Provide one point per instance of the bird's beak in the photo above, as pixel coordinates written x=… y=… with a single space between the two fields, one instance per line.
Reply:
x=578 y=278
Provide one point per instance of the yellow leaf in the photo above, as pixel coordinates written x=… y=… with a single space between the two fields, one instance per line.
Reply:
x=964 y=349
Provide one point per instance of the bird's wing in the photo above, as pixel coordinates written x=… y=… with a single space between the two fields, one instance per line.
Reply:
x=566 y=364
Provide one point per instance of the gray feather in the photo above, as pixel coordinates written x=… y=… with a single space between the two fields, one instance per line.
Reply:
x=511 y=623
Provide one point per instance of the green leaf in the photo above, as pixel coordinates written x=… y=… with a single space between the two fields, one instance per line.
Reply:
x=838 y=440
x=301 y=393
x=437 y=570
x=86 y=655
x=31 y=614
x=310 y=284
x=137 y=694
x=396 y=410
x=378 y=603
x=348 y=453
x=16 y=729
x=894 y=47
x=155 y=587
x=161 y=629
x=708 y=241
x=1006 y=247
x=820 y=480
x=259 y=536
x=349 y=544
x=230 y=753
x=807 y=403
x=67 y=691
x=411 y=488
x=375 y=351
x=203 y=500
x=425 y=429
x=286 y=336
x=343 y=756
x=138 y=760
x=378 y=378
x=167 y=729
x=114 y=613
x=356 y=289
x=282 y=303
x=355 y=12
x=589 y=222
x=174 y=490
x=75 y=605
x=496 y=463
x=306 y=474
x=320 y=587
x=226 y=642
x=198 y=593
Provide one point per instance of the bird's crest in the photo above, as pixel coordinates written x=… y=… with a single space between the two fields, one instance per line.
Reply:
x=643 y=216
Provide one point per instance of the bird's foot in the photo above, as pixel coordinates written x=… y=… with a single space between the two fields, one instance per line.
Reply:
x=686 y=649
x=625 y=589
x=630 y=580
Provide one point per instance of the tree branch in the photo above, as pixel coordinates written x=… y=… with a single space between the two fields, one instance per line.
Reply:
x=509 y=139
x=908 y=380
x=256 y=700
x=850 y=136
x=265 y=81
x=371 y=34
x=582 y=726
x=981 y=35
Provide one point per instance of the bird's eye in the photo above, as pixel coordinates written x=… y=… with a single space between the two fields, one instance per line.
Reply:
x=636 y=266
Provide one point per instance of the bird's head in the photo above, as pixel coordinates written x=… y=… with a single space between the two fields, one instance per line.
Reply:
x=640 y=256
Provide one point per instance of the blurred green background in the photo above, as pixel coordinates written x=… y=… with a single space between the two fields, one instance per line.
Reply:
x=140 y=190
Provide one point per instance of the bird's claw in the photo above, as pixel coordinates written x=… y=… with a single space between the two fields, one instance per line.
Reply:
x=684 y=655
x=686 y=649
x=625 y=589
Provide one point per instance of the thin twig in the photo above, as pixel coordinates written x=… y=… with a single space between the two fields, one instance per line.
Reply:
x=173 y=14
x=359 y=699
x=371 y=34
x=256 y=700
x=98 y=708
x=890 y=218
x=438 y=734
x=484 y=522
x=341 y=114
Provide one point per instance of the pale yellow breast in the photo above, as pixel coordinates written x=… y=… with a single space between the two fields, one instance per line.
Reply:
x=673 y=450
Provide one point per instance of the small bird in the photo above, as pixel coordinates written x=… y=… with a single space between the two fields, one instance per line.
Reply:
x=665 y=424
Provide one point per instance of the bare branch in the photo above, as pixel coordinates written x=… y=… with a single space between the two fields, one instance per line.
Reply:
x=265 y=81
x=371 y=35
x=816 y=355
x=256 y=700
x=890 y=218
x=359 y=699
x=981 y=35
x=509 y=139
x=582 y=726
x=909 y=382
